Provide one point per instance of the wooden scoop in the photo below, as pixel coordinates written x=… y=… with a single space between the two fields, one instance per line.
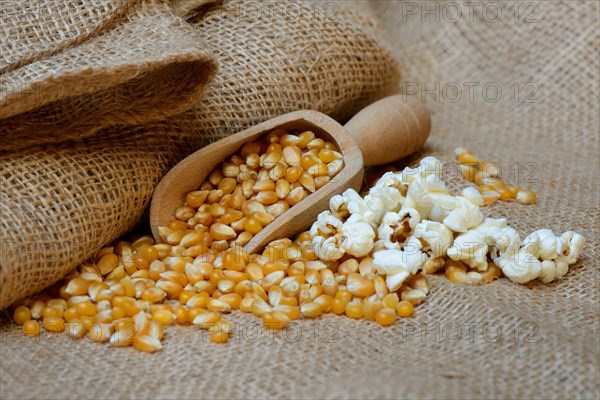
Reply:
x=386 y=130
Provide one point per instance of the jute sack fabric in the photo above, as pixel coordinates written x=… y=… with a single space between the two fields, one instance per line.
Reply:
x=70 y=68
x=61 y=203
x=500 y=340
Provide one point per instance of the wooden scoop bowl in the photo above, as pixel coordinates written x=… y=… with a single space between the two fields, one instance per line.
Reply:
x=386 y=130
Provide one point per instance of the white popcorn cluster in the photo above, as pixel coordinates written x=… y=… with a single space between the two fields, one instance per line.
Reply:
x=410 y=221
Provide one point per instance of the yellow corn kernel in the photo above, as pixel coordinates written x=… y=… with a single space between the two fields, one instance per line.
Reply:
x=304 y=139
x=385 y=316
x=456 y=273
x=149 y=253
x=307 y=181
x=218 y=306
x=171 y=288
x=277 y=172
x=36 y=309
x=390 y=300
x=267 y=197
x=180 y=314
x=252 y=226
x=260 y=308
x=218 y=336
x=468 y=159
x=192 y=313
x=310 y=310
x=31 y=328
x=254 y=271
x=227 y=185
x=232 y=299
x=404 y=309
x=274 y=278
x=489 y=197
x=70 y=313
x=338 y=306
x=370 y=308
x=344 y=294
x=491 y=273
x=246 y=304
x=292 y=155
x=234 y=261
x=75 y=329
x=77 y=287
x=222 y=232
x=99 y=332
x=249 y=148
x=357 y=285
x=275 y=320
x=468 y=172
x=54 y=324
x=316 y=143
x=153 y=295
x=21 y=315
x=147 y=343
x=354 y=309
x=327 y=156
x=184 y=213
x=196 y=198
x=107 y=263
x=325 y=301
x=87 y=308
x=526 y=196
x=164 y=317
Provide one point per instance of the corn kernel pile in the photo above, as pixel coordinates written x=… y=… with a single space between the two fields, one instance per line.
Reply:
x=487 y=176
x=365 y=258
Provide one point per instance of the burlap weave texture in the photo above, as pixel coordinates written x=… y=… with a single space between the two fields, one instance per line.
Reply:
x=532 y=341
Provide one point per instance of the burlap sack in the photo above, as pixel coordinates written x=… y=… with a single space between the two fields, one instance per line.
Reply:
x=500 y=340
x=62 y=203
x=70 y=69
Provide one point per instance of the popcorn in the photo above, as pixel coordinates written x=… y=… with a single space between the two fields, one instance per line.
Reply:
x=553 y=269
x=521 y=267
x=395 y=228
x=470 y=248
x=357 y=237
x=326 y=224
x=399 y=264
x=438 y=237
x=544 y=244
x=328 y=249
x=409 y=222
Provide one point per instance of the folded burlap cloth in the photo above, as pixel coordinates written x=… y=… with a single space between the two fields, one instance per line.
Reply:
x=500 y=340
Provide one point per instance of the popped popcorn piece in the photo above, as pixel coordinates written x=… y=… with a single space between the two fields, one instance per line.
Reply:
x=470 y=248
x=473 y=195
x=544 y=244
x=382 y=200
x=553 y=269
x=328 y=249
x=396 y=228
x=574 y=243
x=437 y=236
x=357 y=237
x=500 y=238
x=521 y=267
x=397 y=265
x=463 y=216
x=326 y=224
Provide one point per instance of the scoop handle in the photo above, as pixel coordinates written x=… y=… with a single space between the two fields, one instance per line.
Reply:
x=390 y=129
